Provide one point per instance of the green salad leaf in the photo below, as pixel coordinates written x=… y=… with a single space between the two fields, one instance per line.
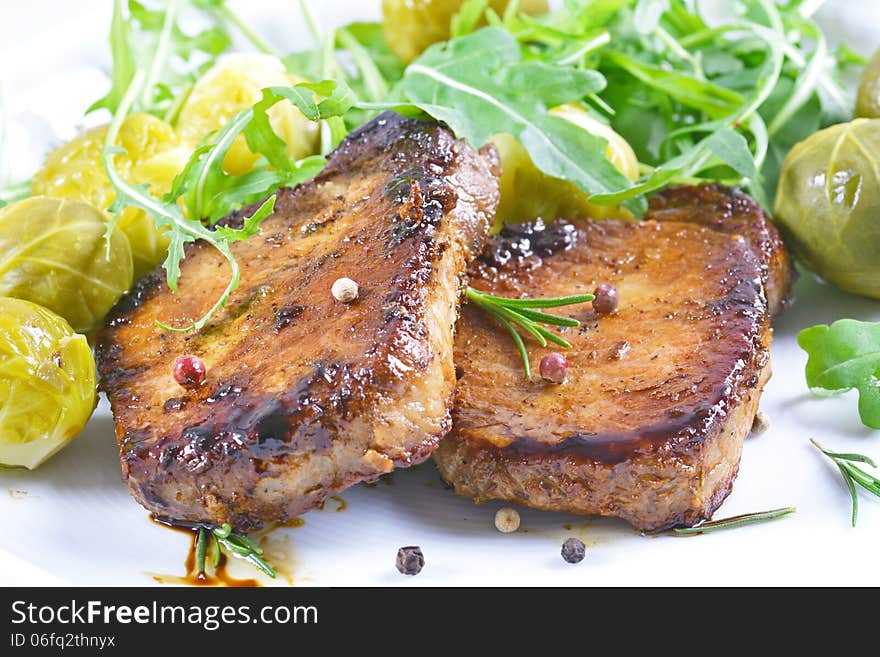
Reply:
x=480 y=86
x=844 y=356
x=176 y=58
x=208 y=193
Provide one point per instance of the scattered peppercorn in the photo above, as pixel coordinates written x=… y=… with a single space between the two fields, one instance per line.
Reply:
x=554 y=367
x=189 y=371
x=761 y=423
x=410 y=560
x=574 y=550
x=606 y=299
x=345 y=290
x=507 y=520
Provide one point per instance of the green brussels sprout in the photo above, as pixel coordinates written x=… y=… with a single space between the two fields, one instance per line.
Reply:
x=826 y=204
x=53 y=252
x=868 y=100
x=47 y=383
x=413 y=25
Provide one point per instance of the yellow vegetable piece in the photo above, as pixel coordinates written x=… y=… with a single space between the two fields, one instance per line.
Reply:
x=47 y=383
x=232 y=85
x=868 y=99
x=53 y=253
x=413 y=25
x=154 y=155
x=527 y=193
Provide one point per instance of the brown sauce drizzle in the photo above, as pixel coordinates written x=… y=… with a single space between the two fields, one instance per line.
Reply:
x=220 y=575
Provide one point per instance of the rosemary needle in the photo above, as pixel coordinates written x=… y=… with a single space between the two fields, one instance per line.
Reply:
x=735 y=521
x=238 y=545
x=512 y=313
x=853 y=475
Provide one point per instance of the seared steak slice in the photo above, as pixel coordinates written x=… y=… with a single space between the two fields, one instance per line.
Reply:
x=649 y=424
x=732 y=211
x=306 y=395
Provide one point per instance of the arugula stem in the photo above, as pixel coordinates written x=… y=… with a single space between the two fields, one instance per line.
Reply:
x=255 y=39
x=173 y=112
x=735 y=521
x=16 y=192
x=163 y=49
x=375 y=84
x=603 y=39
x=169 y=213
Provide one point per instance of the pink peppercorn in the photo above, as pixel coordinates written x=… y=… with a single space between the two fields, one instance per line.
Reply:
x=554 y=367
x=189 y=371
x=606 y=299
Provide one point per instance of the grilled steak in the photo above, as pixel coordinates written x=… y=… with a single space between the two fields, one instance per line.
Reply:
x=732 y=211
x=659 y=395
x=306 y=395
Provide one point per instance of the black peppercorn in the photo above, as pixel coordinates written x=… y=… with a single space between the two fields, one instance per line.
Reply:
x=410 y=560
x=574 y=550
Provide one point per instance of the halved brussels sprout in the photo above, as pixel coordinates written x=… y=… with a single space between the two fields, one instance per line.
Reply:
x=527 y=193
x=826 y=204
x=53 y=253
x=233 y=85
x=413 y=25
x=868 y=100
x=154 y=155
x=47 y=383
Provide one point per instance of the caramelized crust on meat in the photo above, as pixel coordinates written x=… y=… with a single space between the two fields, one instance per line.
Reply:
x=649 y=423
x=732 y=211
x=306 y=395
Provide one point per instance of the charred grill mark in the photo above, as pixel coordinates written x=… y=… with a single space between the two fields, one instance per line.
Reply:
x=286 y=314
x=175 y=404
x=143 y=290
x=423 y=199
x=270 y=427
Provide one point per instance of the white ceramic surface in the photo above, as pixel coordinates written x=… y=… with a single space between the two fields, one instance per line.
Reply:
x=72 y=521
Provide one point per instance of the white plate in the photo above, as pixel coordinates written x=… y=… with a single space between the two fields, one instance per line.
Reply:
x=72 y=521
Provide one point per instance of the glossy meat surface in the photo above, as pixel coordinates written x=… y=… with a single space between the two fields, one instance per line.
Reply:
x=734 y=212
x=306 y=395
x=659 y=395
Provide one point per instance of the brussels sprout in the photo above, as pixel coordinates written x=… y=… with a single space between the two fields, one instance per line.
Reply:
x=826 y=204
x=154 y=155
x=233 y=85
x=47 y=383
x=413 y=25
x=53 y=253
x=868 y=100
x=527 y=193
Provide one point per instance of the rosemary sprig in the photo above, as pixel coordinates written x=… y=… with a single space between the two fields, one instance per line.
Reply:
x=853 y=475
x=735 y=521
x=512 y=313
x=238 y=545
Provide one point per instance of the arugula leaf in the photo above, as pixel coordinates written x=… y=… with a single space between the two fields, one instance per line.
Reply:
x=153 y=39
x=207 y=192
x=480 y=86
x=682 y=87
x=124 y=66
x=732 y=148
x=844 y=356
